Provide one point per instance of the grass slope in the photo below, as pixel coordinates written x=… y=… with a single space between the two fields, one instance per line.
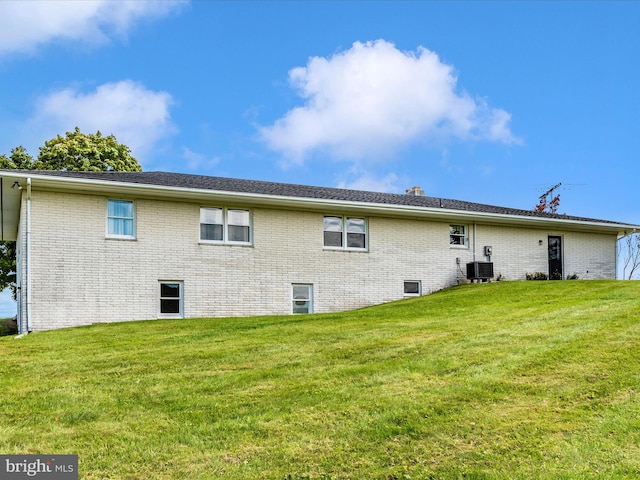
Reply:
x=503 y=380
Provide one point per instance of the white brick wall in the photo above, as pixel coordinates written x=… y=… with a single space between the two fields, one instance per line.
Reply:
x=81 y=277
x=517 y=252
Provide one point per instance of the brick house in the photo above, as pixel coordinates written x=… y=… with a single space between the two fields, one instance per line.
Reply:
x=115 y=246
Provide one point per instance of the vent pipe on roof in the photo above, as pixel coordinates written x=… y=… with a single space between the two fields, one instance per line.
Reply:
x=415 y=191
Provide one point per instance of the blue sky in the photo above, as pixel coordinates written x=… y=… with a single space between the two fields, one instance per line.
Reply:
x=491 y=102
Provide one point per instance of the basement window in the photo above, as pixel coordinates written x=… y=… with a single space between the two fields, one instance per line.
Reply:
x=171 y=300
x=302 y=298
x=412 y=288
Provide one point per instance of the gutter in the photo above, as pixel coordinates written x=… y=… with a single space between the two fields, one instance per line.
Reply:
x=625 y=234
x=138 y=190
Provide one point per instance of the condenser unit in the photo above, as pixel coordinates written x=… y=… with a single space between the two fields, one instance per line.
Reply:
x=479 y=270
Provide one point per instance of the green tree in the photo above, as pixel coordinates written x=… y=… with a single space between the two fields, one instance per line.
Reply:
x=75 y=152
x=19 y=158
x=79 y=152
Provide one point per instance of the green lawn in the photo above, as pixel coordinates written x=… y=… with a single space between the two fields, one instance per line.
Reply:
x=517 y=380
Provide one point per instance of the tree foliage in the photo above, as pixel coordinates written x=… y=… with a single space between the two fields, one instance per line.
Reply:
x=19 y=159
x=79 y=152
x=8 y=266
x=75 y=152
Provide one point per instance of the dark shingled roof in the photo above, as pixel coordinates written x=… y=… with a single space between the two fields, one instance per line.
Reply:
x=201 y=182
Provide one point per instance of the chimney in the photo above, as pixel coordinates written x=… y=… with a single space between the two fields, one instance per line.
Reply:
x=415 y=191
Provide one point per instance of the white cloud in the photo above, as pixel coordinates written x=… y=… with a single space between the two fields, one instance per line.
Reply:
x=198 y=161
x=138 y=117
x=25 y=25
x=373 y=99
x=390 y=183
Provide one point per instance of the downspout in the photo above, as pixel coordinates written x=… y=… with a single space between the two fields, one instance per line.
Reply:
x=27 y=257
x=474 y=241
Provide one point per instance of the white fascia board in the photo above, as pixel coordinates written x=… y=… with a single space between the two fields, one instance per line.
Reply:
x=139 y=190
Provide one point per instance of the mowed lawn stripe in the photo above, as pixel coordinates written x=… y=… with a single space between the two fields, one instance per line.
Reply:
x=500 y=380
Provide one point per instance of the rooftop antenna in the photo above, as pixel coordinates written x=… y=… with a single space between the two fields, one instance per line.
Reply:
x=548 y=203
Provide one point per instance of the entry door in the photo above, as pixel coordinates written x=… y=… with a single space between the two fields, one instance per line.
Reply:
x=555 y=258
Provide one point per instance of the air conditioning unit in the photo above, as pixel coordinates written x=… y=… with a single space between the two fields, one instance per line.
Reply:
x=479 y=270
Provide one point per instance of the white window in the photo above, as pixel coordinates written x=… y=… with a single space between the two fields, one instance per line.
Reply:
x=302 y=298
x=458 y=235
x=225 y=225
x=333 y=231
x=120 y=219
x=238 y=226
x=345 y=232
x=412 y=288
x=171 y=300
x=211 y=224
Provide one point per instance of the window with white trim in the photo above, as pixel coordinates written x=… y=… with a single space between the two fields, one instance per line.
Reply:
x=121 y=219
x=302 y=298
x=349 y=233
x=412 y=288
x=458 y=236
x=225 y=225
x=171 y=300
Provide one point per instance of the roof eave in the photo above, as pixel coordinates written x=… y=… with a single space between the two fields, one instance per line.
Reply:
x=139 y=190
